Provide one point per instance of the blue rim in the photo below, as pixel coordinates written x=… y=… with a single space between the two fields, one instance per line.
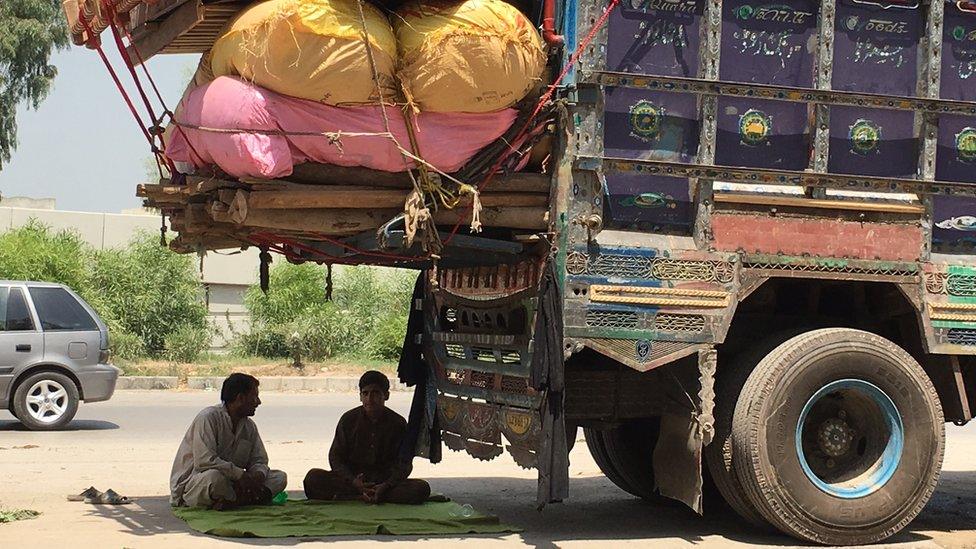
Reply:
x=887 y=463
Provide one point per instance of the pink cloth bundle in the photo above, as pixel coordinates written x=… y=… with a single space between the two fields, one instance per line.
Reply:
x=446 y=140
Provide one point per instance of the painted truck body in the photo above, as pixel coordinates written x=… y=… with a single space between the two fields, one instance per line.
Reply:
x=761 y=234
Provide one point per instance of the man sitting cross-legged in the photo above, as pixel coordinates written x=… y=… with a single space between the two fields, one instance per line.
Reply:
x=221 y=462
x=365 y=453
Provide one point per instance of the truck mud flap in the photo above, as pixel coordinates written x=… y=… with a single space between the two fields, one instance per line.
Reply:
x=484 y=350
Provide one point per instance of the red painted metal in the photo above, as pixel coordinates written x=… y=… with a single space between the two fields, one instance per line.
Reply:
x=817 y=237
x=549 y=24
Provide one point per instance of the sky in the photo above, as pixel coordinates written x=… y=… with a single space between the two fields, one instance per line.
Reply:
x=82 y=146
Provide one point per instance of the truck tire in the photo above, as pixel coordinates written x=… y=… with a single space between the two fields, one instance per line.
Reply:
x=594 y=443
x=46 y=401
x=841 y=436
x=719 y=457
x=625 y=454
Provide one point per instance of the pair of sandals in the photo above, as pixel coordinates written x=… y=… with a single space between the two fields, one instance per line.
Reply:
x=94 y=496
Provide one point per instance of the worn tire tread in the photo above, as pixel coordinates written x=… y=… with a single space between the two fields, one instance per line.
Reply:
x=747 y=417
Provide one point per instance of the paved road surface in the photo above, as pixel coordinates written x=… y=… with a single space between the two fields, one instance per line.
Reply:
x=128 y=444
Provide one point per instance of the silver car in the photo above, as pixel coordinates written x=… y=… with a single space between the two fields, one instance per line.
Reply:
x=53 y=354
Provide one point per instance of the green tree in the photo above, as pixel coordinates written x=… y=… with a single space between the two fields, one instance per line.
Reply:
x=35 y=252
x=150 y=292
x=30 y=31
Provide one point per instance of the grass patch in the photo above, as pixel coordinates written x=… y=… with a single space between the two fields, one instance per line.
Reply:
x=11 y=515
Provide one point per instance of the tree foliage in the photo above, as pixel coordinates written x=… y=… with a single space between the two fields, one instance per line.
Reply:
x=367 y=318
x=30 y=31
x=150 y=297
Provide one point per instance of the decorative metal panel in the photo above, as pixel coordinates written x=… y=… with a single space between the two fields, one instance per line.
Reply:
x=961 y=336
x=674 y=322
x=767 y=43
x=954 y=218
x=870 y=40
x=612 y=319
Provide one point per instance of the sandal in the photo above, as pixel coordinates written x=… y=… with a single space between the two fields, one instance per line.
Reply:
x=109 y=497
x=90 y=492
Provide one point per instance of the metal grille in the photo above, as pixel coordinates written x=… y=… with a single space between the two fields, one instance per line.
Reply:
x=625 y=350
x=611 y=319
x=625 y=266
x=484 y=354
x=821 y=268
x=512 y=384
x=961 y=285
x=671 y=322
x=511 y=357
x=679 y=269
x=961 y=336
x=935 y=283
x=454 y=350
x=481 y=379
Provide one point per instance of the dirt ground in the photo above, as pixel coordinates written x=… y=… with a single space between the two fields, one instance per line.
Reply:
x=128 y=444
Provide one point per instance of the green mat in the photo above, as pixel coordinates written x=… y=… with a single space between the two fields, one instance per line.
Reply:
x=305 y=518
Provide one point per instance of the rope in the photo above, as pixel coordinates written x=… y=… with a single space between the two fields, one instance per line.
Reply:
x=261 y=240
x=546 y=97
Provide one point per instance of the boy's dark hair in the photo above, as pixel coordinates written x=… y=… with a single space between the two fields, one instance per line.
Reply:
x=236 y=384
x=373 y=377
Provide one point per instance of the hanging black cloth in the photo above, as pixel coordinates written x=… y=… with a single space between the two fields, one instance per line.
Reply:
x=547 y=376
x=412 y=369
x=423 y=436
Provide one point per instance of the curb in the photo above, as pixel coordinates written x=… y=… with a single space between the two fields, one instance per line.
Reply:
x=273 y=384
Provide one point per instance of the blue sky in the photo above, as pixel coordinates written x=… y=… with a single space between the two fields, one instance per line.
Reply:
x=82 y=146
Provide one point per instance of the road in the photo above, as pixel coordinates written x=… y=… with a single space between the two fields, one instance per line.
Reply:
x=128 y=444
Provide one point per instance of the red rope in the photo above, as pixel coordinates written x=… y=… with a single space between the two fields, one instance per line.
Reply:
x=93 y=39
x=127 y=60
x=166 y=109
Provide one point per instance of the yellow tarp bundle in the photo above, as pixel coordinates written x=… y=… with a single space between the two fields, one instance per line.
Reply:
x=469 y=56
x=311 y=49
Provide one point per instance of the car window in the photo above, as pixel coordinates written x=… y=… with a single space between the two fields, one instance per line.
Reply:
x=4 y=290
x=59 y=310
x=18 y=317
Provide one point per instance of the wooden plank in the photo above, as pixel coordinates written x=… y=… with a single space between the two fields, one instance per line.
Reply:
x=368 y=199
x=800 y=202
x=351 y=221
x=179 y=22
x=326 y=174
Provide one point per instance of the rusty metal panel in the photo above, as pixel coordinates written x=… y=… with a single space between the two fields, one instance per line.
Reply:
x=818 y=237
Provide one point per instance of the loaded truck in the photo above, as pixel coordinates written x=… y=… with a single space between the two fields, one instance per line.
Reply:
x=729 y=240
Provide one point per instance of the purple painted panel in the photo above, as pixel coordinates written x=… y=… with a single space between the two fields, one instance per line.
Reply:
x=956 y=157
x=872 y=142
x=876 y=50
x=648 y=203
x=766 y=43
x=959 y=55
x=762 y=134
x=650 y=125
x=954 y=220
x=655 y=37
x=769 y=42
